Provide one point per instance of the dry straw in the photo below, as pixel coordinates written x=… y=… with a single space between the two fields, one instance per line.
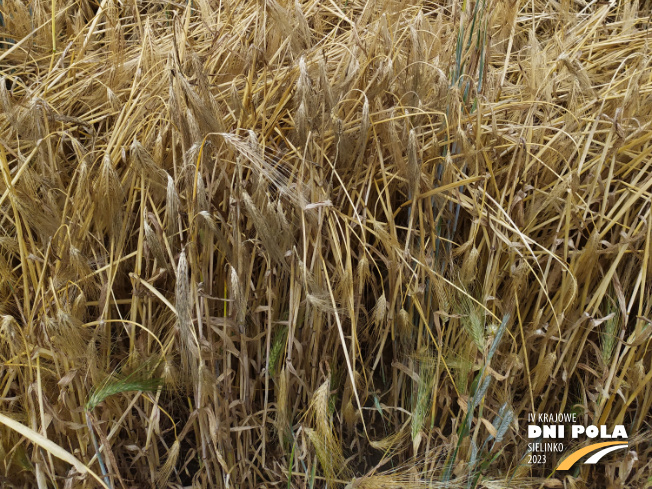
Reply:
x=315 y=215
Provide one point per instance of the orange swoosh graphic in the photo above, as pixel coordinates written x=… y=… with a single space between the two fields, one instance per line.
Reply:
x=578 y=454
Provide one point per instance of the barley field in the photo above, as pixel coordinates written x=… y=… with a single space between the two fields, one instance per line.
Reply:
x=322 y=243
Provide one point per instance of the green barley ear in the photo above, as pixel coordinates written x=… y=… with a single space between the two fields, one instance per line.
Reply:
x=481 y=391
x=278 y=344
x=473 y=459
x=461 y=368
x=501 y=423
x=473 y=322
x=497 y=338
x=503 y=426
x=422 y=403
x=140 y=380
